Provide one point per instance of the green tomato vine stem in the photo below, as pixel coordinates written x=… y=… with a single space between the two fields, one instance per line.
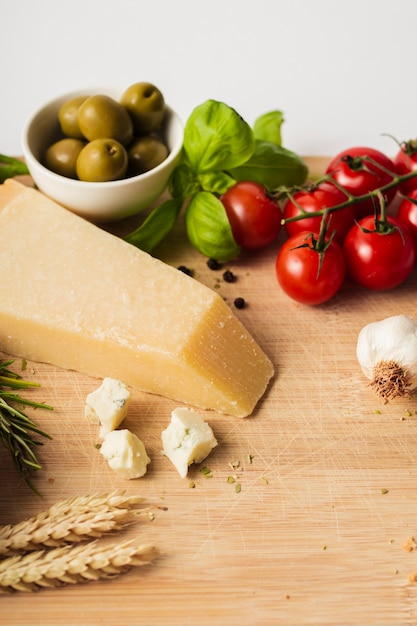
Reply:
x=351 y=200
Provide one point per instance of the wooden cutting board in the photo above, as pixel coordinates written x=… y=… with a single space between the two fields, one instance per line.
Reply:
x=328 y=480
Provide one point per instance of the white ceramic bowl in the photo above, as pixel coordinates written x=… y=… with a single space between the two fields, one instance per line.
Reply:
x=104 y=201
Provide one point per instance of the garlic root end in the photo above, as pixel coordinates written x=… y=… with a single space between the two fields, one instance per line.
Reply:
x=390 y=381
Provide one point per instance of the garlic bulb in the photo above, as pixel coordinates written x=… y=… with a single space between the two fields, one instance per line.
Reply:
x=387 y=353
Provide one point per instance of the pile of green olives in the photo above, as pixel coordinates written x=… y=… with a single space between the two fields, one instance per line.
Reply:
x=104 y=139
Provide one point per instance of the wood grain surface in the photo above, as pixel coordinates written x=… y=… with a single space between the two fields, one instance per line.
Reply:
x=328 y=480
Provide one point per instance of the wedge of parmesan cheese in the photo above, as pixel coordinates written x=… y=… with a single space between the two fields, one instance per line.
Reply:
x=81 y=298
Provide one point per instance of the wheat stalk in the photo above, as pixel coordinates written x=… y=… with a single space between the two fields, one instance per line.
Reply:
x=70 y=521
x=70 y=565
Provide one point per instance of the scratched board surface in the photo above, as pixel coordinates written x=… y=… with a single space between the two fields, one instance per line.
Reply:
x=327 y=475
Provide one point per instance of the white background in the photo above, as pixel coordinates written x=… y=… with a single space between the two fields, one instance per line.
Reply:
x=343 y=73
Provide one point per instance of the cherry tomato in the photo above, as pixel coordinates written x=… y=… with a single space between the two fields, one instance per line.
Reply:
x=405 y=162
x=306 y=275
x=360 y=176
x=379 y=261
x=255 y=218
x=407 y=213
x=316 y=198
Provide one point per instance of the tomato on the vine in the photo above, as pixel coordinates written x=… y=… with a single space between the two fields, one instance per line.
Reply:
x=307 y=274
x=316 y=198
x=379 y=255
x=254 y=217
x=407 y=213
x=360 y=170
x=405 y=162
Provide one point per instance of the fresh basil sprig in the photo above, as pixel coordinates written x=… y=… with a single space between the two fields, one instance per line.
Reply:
x=268 y=127
x=272 y=166
x=216 y=138
x=208 y=227
x=10 y=167
x=156 y=225
x=219 y=149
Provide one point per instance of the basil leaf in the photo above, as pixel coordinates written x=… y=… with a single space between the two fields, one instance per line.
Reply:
x=216 y=137
x=183 y=182
x=272 y=166
x=208 y=227
x=216 y=182
x=10 y=167
x=156 y=225
x=268 y=127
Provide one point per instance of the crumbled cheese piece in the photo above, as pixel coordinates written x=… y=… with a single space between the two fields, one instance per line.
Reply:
x=125 y=454
x=108 y=405
x=187 y=439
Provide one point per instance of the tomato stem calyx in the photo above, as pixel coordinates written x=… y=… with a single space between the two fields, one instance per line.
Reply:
x=409 y=147
x=319 y=244
x=358 y=163
x=382 y=225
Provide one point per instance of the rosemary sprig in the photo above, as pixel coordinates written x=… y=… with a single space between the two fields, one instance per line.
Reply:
x=16 y=428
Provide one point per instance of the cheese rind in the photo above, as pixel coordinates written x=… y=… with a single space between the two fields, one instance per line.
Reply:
x=80 y=298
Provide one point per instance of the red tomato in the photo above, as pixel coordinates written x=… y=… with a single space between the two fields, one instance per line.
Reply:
x=299 y=273
x=360 y=176
x=407 y=213
x=379 y=261
x=316 y=198
x=405 y=162
x=254 y=217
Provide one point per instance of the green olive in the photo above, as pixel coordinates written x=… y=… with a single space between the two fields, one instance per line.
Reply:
x=61 y=157
x=103 y=117
x=67 y=116
x=102 y=160
x=146 y=153
x=146 y=106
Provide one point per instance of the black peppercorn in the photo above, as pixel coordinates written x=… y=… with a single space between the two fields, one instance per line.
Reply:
x=239 y=303
x=229 y=277
x=185 y=270
x=213 y=264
